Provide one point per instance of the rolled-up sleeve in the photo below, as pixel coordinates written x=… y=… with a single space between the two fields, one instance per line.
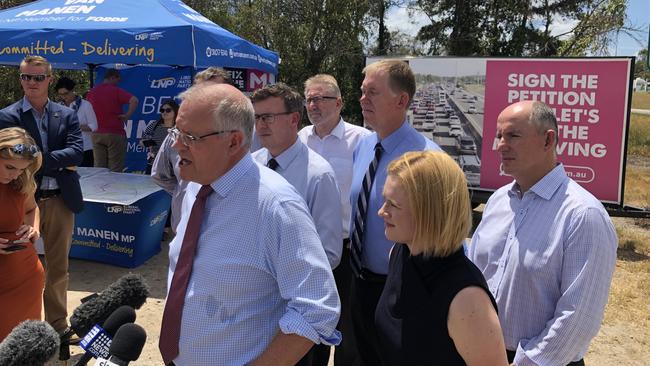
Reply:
x=297 y=260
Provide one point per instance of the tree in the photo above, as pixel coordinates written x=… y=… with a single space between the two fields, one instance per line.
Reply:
x=598 y=21
x=641 y=66
x=522 y=27
x=311 y=37
x=377 y=10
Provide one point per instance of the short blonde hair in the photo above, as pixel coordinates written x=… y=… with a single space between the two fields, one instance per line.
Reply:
x=437 y=192
x=324 y=79
x=37 y=61
x=10 y=138
x=400 y=75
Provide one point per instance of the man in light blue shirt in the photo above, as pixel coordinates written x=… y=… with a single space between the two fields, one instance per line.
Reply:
x=545 y=245
x=386 y=93
x=261 y=290
x=278 y=111
x=164 y=170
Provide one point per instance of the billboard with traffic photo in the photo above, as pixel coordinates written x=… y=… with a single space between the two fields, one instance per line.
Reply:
x=459 y=99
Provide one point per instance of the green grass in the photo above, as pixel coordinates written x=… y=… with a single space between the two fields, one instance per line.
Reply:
x=641 y=100
x=639 y=135
x=637 y=186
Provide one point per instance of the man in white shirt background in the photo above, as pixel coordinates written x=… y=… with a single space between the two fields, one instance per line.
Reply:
x=87 y=120
x=335 y=140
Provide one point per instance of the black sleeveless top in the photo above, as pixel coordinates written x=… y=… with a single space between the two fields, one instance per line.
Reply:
x=411 y=315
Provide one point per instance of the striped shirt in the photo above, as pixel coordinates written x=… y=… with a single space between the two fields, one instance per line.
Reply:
x=548 y=257
x=157 y=132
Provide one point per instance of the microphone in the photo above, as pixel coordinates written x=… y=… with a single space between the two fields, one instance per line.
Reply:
x=30 y=343
x=126 y=347
x=98 y=340
x=130 y=289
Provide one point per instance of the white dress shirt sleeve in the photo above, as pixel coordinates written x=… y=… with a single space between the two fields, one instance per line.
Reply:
x=87 y=115
x=327 y=217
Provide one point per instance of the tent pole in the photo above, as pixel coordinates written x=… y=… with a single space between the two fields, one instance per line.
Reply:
x=91 y=70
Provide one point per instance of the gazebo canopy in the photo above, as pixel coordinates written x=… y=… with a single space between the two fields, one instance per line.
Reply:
x=75 y=33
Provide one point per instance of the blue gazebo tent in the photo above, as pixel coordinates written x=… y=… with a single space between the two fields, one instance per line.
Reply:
x=75 y=34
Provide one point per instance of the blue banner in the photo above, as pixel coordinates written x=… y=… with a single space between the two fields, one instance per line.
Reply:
x=122 y=235
x=152 y=86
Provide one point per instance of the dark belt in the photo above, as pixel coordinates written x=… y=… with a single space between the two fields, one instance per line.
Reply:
x=511 y=357
x=48 y=193
x=370 y=276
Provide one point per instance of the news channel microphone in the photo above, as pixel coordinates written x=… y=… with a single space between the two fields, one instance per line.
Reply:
x=130 y=289
x=98 y=340
x=126 y=346
x=30 y=343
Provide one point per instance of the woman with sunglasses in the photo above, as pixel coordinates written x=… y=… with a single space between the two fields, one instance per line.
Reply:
x=155 y=133
x=436 y=307
x=21 y=273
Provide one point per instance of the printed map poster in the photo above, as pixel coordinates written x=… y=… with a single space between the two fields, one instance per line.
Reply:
x=590 y=100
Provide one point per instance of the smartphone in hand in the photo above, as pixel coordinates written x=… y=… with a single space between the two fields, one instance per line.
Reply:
x=15 y=245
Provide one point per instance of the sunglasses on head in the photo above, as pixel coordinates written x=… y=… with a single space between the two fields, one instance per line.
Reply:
x=166 y=110
x=38 y=77
x=24 y=149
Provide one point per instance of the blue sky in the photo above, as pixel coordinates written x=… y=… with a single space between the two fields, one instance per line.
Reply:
x=638 y=13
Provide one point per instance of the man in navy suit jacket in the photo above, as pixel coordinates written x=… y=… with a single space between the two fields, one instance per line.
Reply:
x=56 y=130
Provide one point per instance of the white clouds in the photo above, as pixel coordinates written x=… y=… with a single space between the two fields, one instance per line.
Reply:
x=398 y=18
x=562 y=26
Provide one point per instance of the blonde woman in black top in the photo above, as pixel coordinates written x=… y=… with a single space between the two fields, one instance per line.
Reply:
x=435 y=308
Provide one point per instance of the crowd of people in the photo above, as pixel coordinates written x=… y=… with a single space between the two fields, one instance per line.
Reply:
x=292 y=240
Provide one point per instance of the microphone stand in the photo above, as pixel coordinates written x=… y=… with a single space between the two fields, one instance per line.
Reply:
x=64 y=349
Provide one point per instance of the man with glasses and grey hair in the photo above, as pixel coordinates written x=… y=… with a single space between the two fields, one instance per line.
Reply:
x=546 y=246
x=165 y=170
x=55 y=128
x=335 y=140
x=249 y=282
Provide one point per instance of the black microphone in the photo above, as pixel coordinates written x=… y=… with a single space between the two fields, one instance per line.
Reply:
x=130 y=289
x=30 y=343
x=126 y=347
x=98 y=340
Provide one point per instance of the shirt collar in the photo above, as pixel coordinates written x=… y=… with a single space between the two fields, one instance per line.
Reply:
x=288 y=155
x=27 y=105
x=338 y=131
x=545 y=187
x=224 y=184
x=394 y=139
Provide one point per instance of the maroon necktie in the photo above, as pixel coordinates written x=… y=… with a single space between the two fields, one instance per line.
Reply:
x=170 y=330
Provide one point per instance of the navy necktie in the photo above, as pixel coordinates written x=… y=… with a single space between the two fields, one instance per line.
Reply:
x=356 y=239
x=272 y=164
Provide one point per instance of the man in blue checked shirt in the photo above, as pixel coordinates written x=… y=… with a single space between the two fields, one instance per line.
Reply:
x=546 y=246
x=260 y=289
